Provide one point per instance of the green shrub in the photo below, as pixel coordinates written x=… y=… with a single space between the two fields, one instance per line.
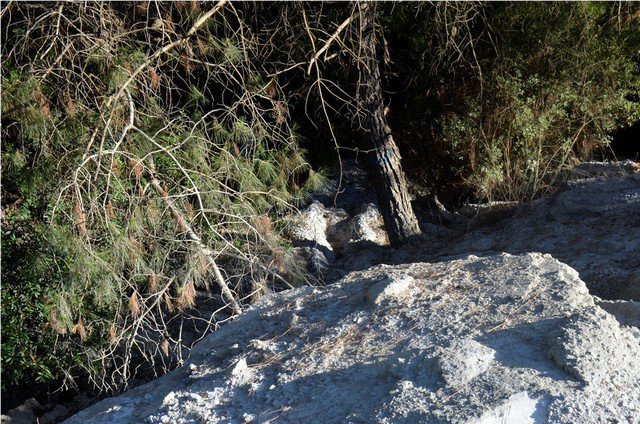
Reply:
x=27 y=353
x=559 y=86
x=111 y=223
x=512 y=94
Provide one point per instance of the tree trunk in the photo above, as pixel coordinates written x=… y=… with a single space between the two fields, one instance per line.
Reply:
x=384 y=158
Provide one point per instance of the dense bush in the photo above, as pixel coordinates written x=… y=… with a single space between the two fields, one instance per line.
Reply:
x=132 y=179
x=508 y=96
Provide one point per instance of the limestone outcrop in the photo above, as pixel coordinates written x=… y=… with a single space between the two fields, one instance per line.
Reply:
x=502 y=338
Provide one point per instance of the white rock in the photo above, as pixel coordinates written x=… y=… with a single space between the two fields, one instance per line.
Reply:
x=368 y=225
x=464 y=361
x=493 y=339
x=518 y=409
x=240 y=373
x=393 y=287
x=311 y=225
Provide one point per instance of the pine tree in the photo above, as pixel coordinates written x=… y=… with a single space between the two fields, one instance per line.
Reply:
x=388 y=177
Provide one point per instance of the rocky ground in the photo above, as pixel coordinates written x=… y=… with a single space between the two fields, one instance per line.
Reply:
x=592 y=224
x=502 y=338
x=447 y=329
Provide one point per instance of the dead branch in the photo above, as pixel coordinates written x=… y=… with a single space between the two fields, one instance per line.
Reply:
x=188 y=230
x=327 y=43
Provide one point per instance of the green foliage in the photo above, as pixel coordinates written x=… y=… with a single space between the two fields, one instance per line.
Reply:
x=536 y=90
x=25 y=340
x=95 y=260
x=557 y=89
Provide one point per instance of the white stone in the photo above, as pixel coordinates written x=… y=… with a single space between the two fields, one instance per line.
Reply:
x=492 y=339
x=393 y=287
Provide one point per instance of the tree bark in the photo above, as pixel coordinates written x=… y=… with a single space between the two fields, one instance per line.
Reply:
x=384 y=157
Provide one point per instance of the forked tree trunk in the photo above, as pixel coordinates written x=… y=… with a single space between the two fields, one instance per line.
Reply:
x=384 y=158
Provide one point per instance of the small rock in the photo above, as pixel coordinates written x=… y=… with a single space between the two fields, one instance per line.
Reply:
x=464 y=361
x=260 y=345
x=589 y=342
x=312 y=224
x=520 y=408
x=226 y=351
x=368 y=225
x=23 y=414
x=627 y=312
x=388 y=289
x=240 y=373
x=55 y=415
